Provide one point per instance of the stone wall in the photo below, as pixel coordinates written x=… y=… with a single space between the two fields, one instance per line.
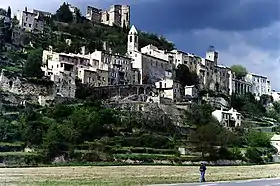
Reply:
x=16 y=85
x=122 y=91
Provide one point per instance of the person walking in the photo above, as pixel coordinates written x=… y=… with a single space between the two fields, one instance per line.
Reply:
x=202 y=170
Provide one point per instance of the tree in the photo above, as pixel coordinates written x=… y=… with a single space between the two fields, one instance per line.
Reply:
x=185 y=76
x=200 y=115
x=63 y=14
x=258 y=139
x=9 y=12
x=254 y=155
x=32 y=66
x=3 y=12
x=206 y=138
x=239 y=71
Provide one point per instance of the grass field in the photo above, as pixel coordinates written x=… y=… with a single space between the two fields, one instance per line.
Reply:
x=129 y=175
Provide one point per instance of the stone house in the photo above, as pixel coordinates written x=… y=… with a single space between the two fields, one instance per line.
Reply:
x=30 y=21
x=151 y=68
x=169 y=88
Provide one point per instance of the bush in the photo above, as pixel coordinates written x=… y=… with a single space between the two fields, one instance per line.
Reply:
x=148 y=158
x=253 y=155
x=145 y=150
x=20 y=158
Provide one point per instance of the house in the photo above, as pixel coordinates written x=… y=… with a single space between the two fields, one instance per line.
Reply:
x=169 y=88
x=151 y=68
x=230 y=118
x=30 y=21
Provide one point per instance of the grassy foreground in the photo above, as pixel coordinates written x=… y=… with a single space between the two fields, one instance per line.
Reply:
x=130 y=175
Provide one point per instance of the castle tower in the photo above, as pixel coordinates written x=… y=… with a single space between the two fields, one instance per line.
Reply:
x=212 y=54
x=132 y=42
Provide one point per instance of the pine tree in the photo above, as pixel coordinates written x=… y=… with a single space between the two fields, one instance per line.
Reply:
x=9 y=12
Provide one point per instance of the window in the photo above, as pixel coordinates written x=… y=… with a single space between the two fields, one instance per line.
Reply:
x=30 y=25
x=26 y=19
x=24 y=24
x=160 y=84
x=61 y=65
x=135 y=39
x=130 y=39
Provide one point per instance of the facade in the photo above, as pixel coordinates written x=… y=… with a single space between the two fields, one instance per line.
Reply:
x=240 y=86
x=43 y=13
x=169 y=88
x=93 y=14
x=260 y=84
x=230 y=118
x=191 y=91
x=117 y=15
x=151 y=69
x=183 y=58
x=30 y=21
x=119 y=68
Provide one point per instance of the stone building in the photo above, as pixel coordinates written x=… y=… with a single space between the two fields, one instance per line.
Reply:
x=117 y=15
x=93 y=14
x=43 y=13
x=30 y=21
x=260 y=84
x=151 y=68
x=169 y=88
x=239 y=86
x=120 y=70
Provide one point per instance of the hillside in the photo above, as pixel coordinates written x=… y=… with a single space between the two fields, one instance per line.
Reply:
x=87 y=131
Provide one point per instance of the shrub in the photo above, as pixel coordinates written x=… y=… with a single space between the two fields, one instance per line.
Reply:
x=20 y=158
x=253 y=155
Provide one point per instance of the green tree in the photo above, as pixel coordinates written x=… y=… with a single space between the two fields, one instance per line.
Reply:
x=3 y=12
x=253 y=155
x=63 y=14
x=32 y=66
x=200 y=115
x=258 y=139
x=185 y=76
x=239 y=71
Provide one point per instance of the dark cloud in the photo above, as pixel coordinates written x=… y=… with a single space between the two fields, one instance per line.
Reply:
x=166 y=16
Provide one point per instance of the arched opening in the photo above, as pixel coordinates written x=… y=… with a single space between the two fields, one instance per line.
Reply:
x=141 y=90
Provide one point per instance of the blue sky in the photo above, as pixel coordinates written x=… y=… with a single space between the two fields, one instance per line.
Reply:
x=245 y=32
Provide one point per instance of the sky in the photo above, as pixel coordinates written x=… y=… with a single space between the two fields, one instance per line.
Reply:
x=245 y=32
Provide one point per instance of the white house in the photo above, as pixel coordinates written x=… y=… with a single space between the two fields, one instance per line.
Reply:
x=169 y=88
x=191 y=91
x=260 y=84
x=230 y=118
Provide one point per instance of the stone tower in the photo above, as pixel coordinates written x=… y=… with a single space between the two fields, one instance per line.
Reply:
x=132 y=42
x=212 y=54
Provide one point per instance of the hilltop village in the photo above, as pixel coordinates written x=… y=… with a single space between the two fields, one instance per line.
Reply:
x=56 y=67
